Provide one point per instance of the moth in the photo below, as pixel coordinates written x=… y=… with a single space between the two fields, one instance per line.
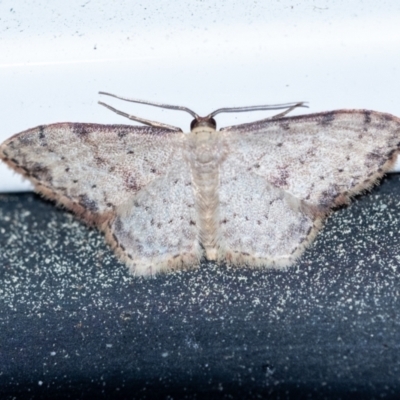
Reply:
x=254 y=194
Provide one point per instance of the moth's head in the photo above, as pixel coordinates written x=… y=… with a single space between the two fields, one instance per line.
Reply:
x=208 y=122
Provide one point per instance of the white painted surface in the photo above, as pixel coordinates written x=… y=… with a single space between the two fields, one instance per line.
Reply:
x=55 y=56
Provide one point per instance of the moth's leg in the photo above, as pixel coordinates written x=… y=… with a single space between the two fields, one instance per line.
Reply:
x=290 y=107
x=282 y=114
x=142 y=120
x=154 y=104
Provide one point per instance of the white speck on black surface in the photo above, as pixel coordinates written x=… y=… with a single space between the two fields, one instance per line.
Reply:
x=75 y=324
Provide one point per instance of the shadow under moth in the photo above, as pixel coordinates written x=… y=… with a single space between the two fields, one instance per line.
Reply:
x=253 y=194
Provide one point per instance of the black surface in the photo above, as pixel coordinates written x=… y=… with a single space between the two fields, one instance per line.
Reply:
x=75 y=324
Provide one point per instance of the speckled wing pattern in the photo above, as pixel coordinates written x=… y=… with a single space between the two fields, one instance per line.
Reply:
x=114 y=177
x=283 y=176
x=155 y=230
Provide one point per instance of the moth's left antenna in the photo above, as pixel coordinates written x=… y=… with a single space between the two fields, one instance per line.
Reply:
x=150 y=103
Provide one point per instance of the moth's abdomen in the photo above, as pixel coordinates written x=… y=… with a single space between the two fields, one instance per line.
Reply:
x=205 y=154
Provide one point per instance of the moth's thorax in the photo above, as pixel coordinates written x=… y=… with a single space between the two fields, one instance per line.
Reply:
x=204 y=146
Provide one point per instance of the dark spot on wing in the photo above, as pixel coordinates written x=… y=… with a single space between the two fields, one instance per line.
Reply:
x=192 y=222
x=132 y=184
x=130 y=152
x=41 y=132
x=88 y=203
x=122 y=134
x=40 y=172
x=367 y=117
x=280 y=177
x=99 y=161
x=153 y=170
x=390 y=153
x=373 y=159
x=387 y=117
x=285 y=126
x=327 y=118
x=328 y=196
x=42 y=136
x=79 y=130
x=383 y=122
x=279 y=144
